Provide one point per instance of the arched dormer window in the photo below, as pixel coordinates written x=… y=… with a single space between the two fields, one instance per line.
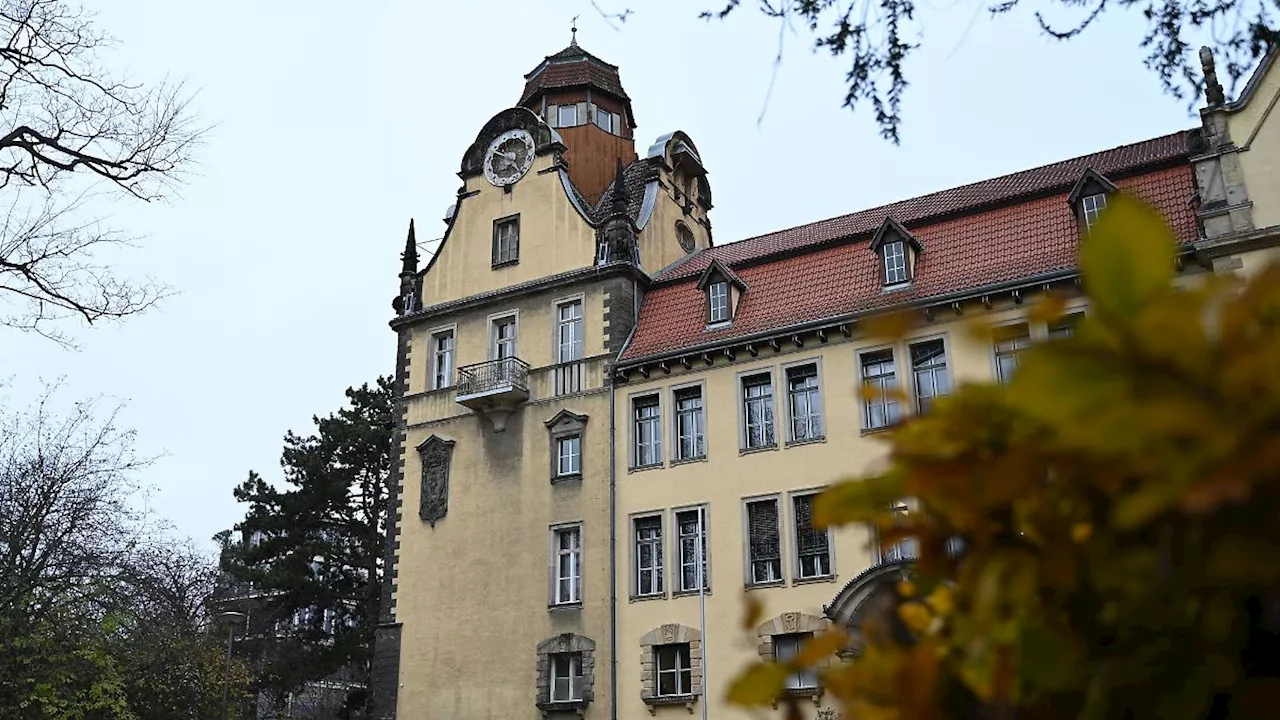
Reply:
x=1089 y=197
x=722 y=289
x=897 y=251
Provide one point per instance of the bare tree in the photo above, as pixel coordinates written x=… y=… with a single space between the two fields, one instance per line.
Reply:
x=72 y=130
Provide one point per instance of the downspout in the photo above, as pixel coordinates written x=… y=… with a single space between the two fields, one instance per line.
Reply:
x=613 y=514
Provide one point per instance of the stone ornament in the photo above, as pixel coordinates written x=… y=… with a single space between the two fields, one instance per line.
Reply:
x=435 y=454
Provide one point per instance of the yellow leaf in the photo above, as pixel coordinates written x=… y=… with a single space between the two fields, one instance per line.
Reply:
x=892 y=326
x=906 y=588
x=1127 y=257
x=820 y=648
x=1049 y=308
x=1081 y=531
x=759 y=684
x=916 y=616
x=942 y=600
x=752 y=613
x=856 y=500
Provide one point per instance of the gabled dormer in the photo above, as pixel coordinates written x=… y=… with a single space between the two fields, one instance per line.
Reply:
x=897 y=251
x=1089 y=197
x=721 y=290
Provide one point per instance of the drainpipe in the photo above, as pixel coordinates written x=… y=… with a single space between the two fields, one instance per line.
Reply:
x=613 y=561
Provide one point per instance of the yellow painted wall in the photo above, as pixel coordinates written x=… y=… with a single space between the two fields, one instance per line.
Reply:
x=554 y=237
x=1255 y=128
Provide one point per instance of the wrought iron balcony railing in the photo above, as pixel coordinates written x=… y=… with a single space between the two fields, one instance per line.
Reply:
x=501 y=376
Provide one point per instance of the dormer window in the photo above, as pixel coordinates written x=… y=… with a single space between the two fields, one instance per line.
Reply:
x=898 y=252
x=1089 y=197
x=722 y=291
x=567 y=116
x=718 y=302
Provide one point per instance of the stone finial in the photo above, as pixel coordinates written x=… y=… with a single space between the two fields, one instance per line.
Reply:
x=1213 y=93
x=410 y=255
x=620 y=197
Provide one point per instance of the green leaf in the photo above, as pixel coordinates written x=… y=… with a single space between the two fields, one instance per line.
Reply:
x=759 y=684
x=1127 y=257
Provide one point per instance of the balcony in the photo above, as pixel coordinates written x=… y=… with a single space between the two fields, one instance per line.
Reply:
x=494 y=388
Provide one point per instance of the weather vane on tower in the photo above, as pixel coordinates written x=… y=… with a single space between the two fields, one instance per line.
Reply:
x=573 y=29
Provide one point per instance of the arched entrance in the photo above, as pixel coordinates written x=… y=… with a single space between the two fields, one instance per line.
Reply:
x=869 y=593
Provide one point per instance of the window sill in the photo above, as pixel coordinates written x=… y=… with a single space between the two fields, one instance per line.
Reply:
x=764 y=585
x=505 y=263
x=558 y=479
x=807 y=441
x=686 y=461
x=809 y=692
x=762 y=448
x=642 y=468
x=565 y=606
x=896 y=287
x=643 y=598
x=575 y=707
x=880 y=430
x=717 y=326
x=688 y=593
x=656 y=701
x=830 y=578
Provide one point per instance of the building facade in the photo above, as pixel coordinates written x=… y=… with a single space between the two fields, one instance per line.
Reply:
x=612 y=428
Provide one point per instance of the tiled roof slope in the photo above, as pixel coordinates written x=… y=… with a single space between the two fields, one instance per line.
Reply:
x=1004 y=244
x=573 y=67
x=635 y=176
x=964 y=199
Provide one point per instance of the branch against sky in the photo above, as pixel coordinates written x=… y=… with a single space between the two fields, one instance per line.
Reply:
x=72 y=130
x=872 y=37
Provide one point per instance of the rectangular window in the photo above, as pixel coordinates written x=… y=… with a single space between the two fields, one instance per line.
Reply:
x=566 y=677
x=764 y=541
x=569 y=331
x=804 y=402
x=690 y=442
x=718 y=300
x=879 y=378
x=506 y=241
x=785 y=649
x=675 y=674
x=757 y=411
x=567 y=116
x=1092 y=206
x=442 y=360
x=604 y=120
x=568 y=566
x=647 y=422
x=895 y=263
x=1065 y=326
x=904 y=549
x=649 y=572
x=569 y=455
x=1009 y=341
x=813 y=546
x=503 y=337
x=691 y=549
x=929 y=366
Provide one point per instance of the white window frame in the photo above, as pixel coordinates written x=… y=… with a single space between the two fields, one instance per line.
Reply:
x=894 y=258
x=719 y=304
x=574 y=594
x=794 y=537
x=573 y=444
x=633 y=422
x=495 y=321
x=680 y=588
x=946 y=370
x=785 y=375
x=677 y=448
x=573 y=681
x=997 y=353
x=865 y=403
x=435 y=334
x=749 y=564
x=786 y=650
x=560 y=115
x=1091 y=206
x=744 y=432
x=576 y=344
x=683 y=652
x=659 y=568
x=499 y=258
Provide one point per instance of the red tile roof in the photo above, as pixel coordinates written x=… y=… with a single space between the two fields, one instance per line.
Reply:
x=961 y=251
x=572 y=67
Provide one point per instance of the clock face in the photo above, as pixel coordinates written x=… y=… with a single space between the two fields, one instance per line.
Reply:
x=509 y=157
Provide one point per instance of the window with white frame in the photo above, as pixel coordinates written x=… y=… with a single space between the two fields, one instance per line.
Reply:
x=566 y=677
x=568 y=565
x=567 y=116
x=804 y=402
x=813 y=545
x=691 y=549
x=879 y=378
x=1091 y=207
x=718 y=302
x=503 y=338
x=895 y=262
x=569 y=455
x=649 y=574
x=690 y=442
x=764 y=541
x=1010 y=341
x=929 y=368
x=1065 y=326
x=904 y=549
x=609 y=122
x=675 y=673
x=647 y=431
x=442 y=359
x=757 y=411
x=785 y=649
x=506 y=241
x=569 y=331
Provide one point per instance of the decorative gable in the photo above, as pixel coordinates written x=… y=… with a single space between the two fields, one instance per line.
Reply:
x=1089 y=196
x=897 y=250
x=722 y=289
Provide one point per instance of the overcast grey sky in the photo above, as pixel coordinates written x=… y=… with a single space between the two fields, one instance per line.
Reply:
x=337 y=122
